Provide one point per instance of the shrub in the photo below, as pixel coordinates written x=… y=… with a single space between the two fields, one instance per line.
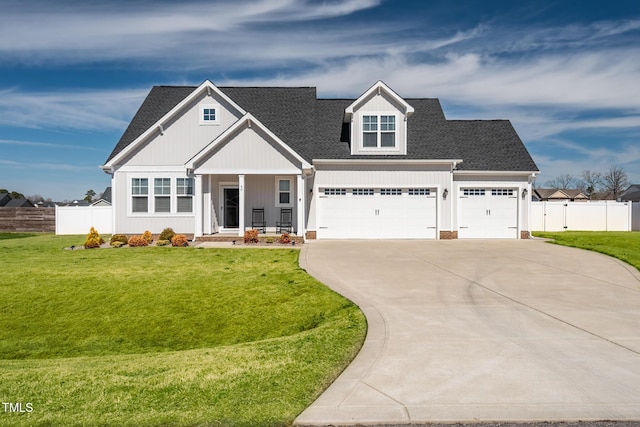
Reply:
x=285 y=238
x=121 y=238
x=167 y=234
x=163 y=243
x=137 y=241
x=251 y=236
x=147 y=236
x=268 y=239
x=93 y=239
x=179 y=240
x=117 y=244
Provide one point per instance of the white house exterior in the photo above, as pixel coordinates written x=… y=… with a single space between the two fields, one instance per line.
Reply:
x=201 y=159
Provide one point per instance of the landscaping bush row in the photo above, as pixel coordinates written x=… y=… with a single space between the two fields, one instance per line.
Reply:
x=168 y=236
x=251 y=236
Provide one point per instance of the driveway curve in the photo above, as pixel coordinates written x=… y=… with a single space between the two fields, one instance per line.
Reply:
x=490 y=330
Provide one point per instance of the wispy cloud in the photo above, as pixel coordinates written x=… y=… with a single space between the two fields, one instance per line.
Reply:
x=47 y=145
x=81 y=110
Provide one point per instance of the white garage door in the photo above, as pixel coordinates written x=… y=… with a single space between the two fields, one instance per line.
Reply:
x=377 y=213
x=488 y=213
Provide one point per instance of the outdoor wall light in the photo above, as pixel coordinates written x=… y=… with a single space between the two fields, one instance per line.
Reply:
x=445 y=193
x=524 y=193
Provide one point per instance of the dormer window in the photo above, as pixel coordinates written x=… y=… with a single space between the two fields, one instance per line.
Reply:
x=378 y=131
x=209 y=114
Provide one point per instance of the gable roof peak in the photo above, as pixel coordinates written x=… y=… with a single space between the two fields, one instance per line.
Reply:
x=377 y=89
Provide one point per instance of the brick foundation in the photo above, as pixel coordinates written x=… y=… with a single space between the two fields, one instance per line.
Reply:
x=525 y=234
x=310 y=235
x=448 y=235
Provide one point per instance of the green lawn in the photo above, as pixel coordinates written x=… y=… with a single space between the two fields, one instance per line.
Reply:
x=624 y=245
x=165 y=336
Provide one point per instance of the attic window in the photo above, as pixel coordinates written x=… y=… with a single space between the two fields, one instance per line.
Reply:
x=379 y=131
x=209 y=114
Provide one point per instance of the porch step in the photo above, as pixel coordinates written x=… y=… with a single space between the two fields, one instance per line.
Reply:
x=231 y=238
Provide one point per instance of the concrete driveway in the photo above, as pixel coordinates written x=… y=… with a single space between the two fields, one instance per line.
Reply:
x=467 y=331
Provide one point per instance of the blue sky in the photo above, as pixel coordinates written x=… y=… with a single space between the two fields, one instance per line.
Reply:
x=73 y=73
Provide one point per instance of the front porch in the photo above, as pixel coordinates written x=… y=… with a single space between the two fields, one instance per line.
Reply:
x=226 y=205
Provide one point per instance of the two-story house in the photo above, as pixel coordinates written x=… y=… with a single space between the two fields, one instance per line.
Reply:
x=202 y=159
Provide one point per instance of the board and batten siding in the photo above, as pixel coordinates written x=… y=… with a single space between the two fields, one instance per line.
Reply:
x=249 y=151
x=130 y=223
x=378 y=104
x=184 y=137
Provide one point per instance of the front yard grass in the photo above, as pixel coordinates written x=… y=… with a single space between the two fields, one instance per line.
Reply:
x=165 y=336
x=624 y=245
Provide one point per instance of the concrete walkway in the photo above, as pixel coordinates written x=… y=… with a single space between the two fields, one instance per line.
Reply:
x=468 y=331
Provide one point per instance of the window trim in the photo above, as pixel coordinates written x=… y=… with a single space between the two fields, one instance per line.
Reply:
x=151 y=195
x=201 y=114
x=138 y=194
x=379 y=131
x=187 y=194
x=278 y=204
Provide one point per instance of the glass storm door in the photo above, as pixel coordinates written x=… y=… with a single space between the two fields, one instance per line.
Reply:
x=231 y=208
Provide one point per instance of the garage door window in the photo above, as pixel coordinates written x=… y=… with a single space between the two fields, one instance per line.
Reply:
x=363 y=191
x=391 y=191
x=419 y=191
x=473 y=191
x=502 y=191
x=335 y=191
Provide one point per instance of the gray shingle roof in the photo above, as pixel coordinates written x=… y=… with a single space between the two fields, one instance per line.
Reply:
x=314 y=127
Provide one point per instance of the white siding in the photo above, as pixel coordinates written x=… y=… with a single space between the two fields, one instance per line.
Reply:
x=378 y=104
x=248 y=150
x=130 y=223
x=185 y=136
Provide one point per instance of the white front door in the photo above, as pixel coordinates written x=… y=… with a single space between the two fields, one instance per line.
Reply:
x=488 y=213
x=377 y=213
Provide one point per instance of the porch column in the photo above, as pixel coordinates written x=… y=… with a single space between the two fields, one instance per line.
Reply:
x=198 y=206
x=241 y=203
x=300 y=192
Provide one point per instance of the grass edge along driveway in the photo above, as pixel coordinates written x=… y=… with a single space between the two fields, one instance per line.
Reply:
x=623 y=245
x=165 y=336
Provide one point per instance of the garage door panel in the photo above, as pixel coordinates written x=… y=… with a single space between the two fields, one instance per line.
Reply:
x=377 y=216
x=488 y=213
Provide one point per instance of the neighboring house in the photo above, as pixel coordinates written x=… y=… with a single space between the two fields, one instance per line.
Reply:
x=105 y=198
x=18 y=203
x=555 y=194
x=201 y=159
x=631 y=194
x=4 y=199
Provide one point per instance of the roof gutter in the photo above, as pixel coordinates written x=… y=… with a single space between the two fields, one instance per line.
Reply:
x=386 y=161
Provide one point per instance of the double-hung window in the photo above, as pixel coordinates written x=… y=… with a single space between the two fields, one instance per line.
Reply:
x=139 y=195
x=283 y=192
x=162 y=193
x=378 y=131
x=184 y=188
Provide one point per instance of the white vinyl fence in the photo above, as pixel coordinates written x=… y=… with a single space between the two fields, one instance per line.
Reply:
x=79 y=219
x=635 y=223
x=598 y=215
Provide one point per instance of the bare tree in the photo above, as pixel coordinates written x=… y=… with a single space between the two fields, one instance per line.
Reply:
x=563 y=182
x=615 y=181
x=593 y=182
